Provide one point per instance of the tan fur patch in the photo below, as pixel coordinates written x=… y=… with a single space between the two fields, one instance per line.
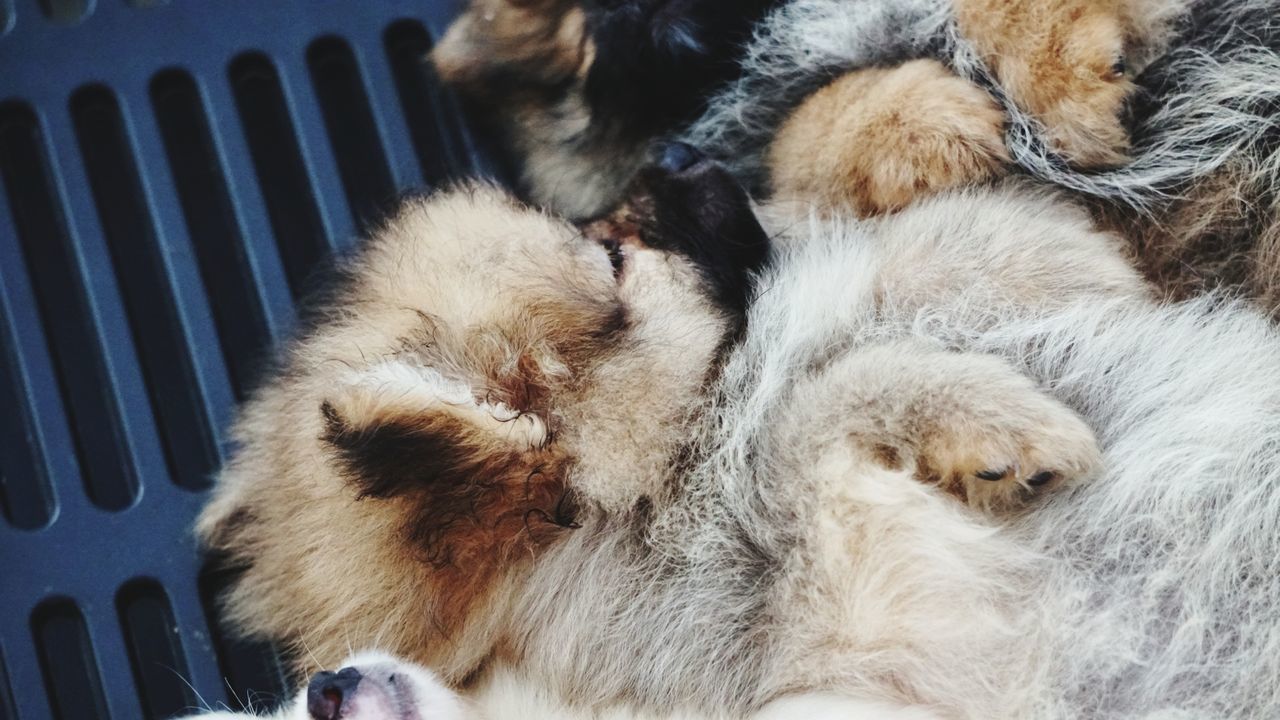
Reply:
x=877 y=139
x=1063 y=61
x=1220 y=234
x=543 y=42
x=888 y=456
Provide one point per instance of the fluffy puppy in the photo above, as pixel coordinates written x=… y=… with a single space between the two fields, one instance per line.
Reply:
x=987 y=88
x=584 y=86
x=516 y=445
x=485 y=370
x=581 y=87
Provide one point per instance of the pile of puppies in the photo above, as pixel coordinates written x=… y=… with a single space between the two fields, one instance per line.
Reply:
x=924 y=370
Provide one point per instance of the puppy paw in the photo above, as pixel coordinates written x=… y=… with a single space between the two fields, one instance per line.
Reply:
x=1063 y=62
x=1025 y=447
x=875 y=140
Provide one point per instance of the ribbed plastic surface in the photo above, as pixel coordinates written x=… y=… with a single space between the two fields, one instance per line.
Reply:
x=172 y=172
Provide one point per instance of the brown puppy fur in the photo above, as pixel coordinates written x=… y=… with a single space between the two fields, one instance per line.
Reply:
x=1220 y=234
x=431 y=422
x=543 y=38
x=877 y=139
x=1062 y=61
x=528 y=62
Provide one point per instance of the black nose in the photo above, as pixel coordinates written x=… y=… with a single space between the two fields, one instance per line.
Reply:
x=328 y=692
x=678 y=156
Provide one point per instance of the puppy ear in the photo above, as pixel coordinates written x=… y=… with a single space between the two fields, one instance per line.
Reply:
x=398 y=428
x=499 y=42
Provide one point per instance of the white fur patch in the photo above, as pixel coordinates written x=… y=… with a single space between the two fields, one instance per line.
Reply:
x=400 y=383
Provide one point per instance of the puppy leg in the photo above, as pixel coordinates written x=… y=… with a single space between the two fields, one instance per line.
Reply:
x=1062 y=61
x=877 y=139
x=968 y=423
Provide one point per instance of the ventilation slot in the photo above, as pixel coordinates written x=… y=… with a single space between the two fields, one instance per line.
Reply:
x=352 y=133
x=7 y=710
x=277 y=160
x=148 y=299
x=67 y=662
x=24 y=484
x=437 y=137
x=251 y=669
x=65 y=11
x=155 y=650
x=211 y=224
x=46 y=245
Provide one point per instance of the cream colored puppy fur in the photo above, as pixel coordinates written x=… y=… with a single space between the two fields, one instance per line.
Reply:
x=773 y=512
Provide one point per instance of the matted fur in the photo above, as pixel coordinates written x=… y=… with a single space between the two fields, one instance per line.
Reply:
x=809 y=539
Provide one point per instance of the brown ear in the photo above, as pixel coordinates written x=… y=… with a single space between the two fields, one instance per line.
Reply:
x=495 y=42
x=479 y=479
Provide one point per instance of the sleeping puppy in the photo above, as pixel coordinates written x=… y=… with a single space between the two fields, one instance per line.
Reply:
x=583 y=454
x=870 y=105
x=505 y=446
x=583 y=86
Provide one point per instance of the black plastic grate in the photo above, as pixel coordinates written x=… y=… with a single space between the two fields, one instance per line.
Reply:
x=172 y=174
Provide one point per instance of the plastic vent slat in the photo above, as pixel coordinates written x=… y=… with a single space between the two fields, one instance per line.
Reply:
x=65 y=11
x=211 y=381
x=337 y=79
x=317 y=154
x=116 y=391
x=433 y=126
x=69 y=662
x=213 y=233
x=31 y=375
x=393 y=125
x=155 y=650
x=25 y=496
x=119 y=309
x=7 y=710
x=42 y=231
x=129 y=227
x=279 y=166
x=248 y=195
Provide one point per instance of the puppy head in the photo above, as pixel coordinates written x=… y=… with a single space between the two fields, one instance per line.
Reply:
x=497 y=48
x=489 y=379
x=581 y=88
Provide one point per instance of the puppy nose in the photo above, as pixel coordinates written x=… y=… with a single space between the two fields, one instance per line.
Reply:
x=678 y=156
x=328 y=691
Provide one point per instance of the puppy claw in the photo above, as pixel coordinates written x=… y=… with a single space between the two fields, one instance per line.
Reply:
x=1042 y=478
x=1035 y=430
